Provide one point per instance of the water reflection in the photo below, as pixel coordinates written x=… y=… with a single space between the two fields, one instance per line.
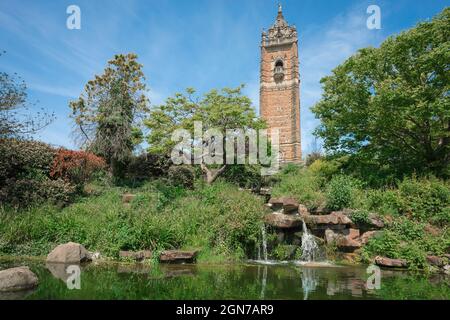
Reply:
x=237 y=281
x=309 y=281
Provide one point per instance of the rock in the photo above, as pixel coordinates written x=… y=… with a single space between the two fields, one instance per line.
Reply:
x=320 y=210
x=435 y=261
x=346 y=243
x=432 y=230
x=288 y=204
x=368 y=235
x=280 y=237
x=95 y=255
x=283 y=221
x=375 y=222
x=330 y=236
x=136 y=255
x=70 y=252
x=303 y=210
x=353 y=234
x=352 y=258
x=128 y=197
x=17 y=279
x=334 y=218
x=178 y=256
x=390 y=263
x=447 y=269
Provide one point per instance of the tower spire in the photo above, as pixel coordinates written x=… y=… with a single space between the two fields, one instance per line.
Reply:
x=280 y=19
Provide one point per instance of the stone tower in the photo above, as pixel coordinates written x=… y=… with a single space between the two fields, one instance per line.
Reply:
x=280 y=86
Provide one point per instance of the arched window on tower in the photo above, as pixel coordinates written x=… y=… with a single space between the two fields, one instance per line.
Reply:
x=279 y=71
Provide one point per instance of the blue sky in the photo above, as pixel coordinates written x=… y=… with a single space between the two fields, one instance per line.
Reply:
x=203 y=44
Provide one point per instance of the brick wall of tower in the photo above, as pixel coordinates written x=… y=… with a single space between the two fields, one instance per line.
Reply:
x=280 y=101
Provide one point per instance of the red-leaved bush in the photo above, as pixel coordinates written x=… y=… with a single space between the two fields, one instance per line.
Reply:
x=76 y=167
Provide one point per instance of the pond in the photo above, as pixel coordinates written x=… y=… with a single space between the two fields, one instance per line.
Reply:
x=239 y=281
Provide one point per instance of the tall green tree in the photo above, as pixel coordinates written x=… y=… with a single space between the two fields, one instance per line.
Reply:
x=109 y=112
x=389 y=107
x=221 y=110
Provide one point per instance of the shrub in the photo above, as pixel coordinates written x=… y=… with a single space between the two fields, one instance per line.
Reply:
x=76 y=167
x=360 y=217
x=426 y=199
x=324 y=168
x=312 y=157
x=303 y=185
x=146 y=166
x=341 y=192
x=182 y=176
x=245 y=176
x=386 y=201
x=25 y=192
x=22 y=158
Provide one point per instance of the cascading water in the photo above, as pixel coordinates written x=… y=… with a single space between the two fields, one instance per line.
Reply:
x=263 y=243
x=310 y=248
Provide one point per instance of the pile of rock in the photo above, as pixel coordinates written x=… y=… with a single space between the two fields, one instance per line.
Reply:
x=288 y=215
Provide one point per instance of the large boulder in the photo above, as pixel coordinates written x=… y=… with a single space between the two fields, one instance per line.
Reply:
x=70 y=252
x=283 y=221
x=390 y=263
x=17 y=279
x=178 y=256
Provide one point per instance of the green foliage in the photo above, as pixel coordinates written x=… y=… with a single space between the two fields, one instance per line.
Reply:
x=312 y=157
x=325 y=168
x=146 y=166
x=245 y=176
x=219 y=219
x=360 y=217
x=406 y=239
x=182 y=176
x=426 y=199
x=107 y=113
x=388 y=107
x=341 y=191
x=305 y=186
x=384 y=201
x=221 y=110
x=24 y=174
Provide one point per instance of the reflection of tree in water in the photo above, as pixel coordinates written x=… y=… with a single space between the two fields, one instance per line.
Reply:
x=309 y=281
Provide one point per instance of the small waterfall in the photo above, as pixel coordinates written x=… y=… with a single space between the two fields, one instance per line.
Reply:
x=310 y=248
x=264 y=243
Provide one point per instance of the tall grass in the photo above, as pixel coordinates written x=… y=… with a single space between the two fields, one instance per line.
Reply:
x=219 y=219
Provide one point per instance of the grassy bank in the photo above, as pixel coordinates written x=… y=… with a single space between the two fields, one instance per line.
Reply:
x=224 y=222
x=220 y=219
